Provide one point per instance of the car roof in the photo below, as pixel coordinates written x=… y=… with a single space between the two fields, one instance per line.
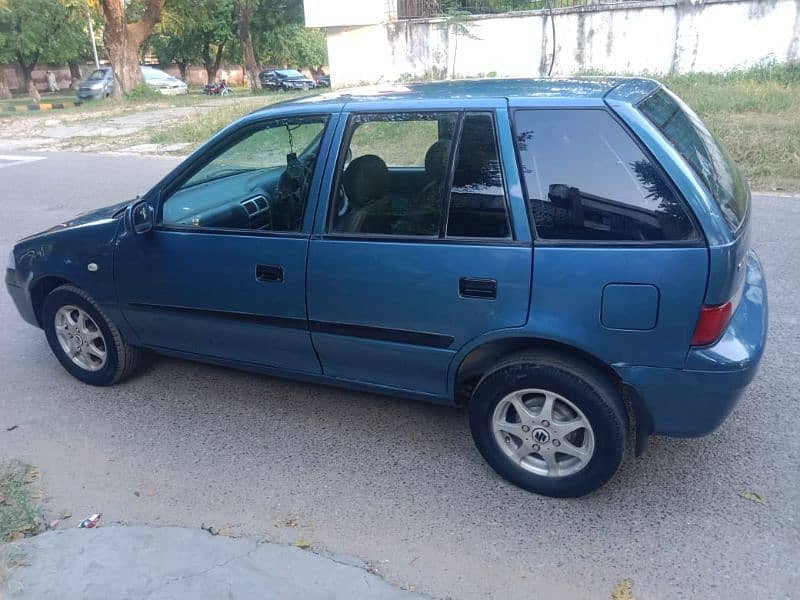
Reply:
x=566 y=90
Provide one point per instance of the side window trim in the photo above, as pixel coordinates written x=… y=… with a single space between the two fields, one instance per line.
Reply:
x=700 y=241
x=217 y=149
x=454 y=160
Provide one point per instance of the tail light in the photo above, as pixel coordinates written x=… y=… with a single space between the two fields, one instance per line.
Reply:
x=712 y=322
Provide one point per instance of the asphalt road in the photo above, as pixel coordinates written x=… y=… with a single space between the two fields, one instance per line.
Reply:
x=394 y=482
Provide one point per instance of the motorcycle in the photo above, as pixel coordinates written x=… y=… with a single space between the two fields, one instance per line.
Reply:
x=218 y=88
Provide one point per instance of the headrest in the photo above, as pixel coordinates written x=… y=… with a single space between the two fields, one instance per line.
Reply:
x=366 y=179
x=436 y=159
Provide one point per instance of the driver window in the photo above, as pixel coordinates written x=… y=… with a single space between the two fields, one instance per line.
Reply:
x=259 y=182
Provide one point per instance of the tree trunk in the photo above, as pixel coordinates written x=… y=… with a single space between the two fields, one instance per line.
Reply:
x=5 y=91
x=27 y=69
x=74 y=69
x=124 y=41
x=75 y=75
x=244 y=13
x=33 y=92
x=212 y=64
x=182 y=68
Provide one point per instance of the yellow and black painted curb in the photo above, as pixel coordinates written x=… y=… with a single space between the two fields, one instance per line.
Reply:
x=40 y=106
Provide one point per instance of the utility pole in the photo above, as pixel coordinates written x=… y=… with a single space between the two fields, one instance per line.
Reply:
x=94 y=44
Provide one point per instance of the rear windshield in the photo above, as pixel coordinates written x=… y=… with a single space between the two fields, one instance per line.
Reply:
x=690 y=137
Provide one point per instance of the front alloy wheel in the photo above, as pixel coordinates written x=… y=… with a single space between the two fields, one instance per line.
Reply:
x=84 y=339
x=80 y=338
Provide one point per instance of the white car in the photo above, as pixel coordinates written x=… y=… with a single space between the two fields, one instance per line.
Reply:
x=163 y=82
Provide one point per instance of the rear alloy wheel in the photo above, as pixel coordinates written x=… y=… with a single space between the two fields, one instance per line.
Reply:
x=85 y=341
x=543 y=432
x=549 y=424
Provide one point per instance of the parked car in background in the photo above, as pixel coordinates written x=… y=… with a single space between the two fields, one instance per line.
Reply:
x=323 y=81
x=565 y=258
x=99 y=84
x=163 y=82
x=285 y=79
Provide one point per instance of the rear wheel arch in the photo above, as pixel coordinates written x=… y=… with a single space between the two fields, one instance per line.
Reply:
x=485 y=357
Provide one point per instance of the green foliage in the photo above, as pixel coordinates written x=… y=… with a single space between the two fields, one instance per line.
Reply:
x=293 y=45
x=141 y=93
x=191 y=31
x=34 y=31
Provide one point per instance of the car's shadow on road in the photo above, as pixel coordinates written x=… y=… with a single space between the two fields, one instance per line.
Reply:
x=351 y=439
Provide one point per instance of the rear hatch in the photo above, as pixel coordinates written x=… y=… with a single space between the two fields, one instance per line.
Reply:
x=724 y=181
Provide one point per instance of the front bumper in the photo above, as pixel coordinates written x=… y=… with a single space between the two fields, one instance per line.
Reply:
x=22 y=299
x=177 y=91
x=694 y=401
x=91 y=94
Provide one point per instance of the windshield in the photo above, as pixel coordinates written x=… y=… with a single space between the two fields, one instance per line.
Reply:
x=690 y=137
x=289 y=73
x=151 y=74
x=97 y=75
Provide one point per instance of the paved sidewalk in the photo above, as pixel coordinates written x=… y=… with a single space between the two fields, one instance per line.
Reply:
x=171 y=562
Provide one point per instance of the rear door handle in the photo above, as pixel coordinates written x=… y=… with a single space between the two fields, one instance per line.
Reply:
x=269 y=273
x=473 y=287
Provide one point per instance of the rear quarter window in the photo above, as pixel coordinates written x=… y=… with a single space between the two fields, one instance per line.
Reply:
x=706 y=156
x=586 y=179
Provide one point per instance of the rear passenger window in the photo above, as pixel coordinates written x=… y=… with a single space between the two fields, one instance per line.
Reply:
x=477 y=198
x=586 y=179
x=394 y=174
x=395 y=177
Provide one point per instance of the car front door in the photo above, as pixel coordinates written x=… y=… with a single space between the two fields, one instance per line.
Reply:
x=416 y=253
x=222 y=274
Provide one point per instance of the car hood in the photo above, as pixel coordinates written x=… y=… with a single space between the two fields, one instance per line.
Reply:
x=92 y=217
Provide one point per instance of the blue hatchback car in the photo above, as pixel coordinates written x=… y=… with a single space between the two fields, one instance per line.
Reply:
x=569 y=259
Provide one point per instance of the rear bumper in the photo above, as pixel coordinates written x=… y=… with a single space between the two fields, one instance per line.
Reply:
x=696 y=400
x=22 y=300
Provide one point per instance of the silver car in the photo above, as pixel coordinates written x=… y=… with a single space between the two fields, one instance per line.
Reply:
x=163 y=82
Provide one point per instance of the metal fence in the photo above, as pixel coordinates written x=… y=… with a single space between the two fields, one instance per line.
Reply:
x=414 y=9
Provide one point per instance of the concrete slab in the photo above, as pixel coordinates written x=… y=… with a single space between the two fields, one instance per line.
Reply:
x=159 y=563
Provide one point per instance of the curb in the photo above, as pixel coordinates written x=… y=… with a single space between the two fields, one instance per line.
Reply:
x=40 y=106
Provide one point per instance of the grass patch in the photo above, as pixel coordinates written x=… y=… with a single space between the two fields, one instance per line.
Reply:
x=20 y=515
x=196 y=129
x=755 y=113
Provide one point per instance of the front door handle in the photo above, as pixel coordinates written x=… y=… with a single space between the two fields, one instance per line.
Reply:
x=272 y=273
x=473 y=287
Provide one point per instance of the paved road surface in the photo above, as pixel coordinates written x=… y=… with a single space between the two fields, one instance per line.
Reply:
x=394 y=482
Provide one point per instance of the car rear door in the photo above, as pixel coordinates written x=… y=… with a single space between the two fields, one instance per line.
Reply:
x=419 y=248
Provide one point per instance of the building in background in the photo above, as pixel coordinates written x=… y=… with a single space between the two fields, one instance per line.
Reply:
x=397 y=40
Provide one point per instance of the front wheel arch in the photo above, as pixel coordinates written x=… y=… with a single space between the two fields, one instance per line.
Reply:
x=41 y=288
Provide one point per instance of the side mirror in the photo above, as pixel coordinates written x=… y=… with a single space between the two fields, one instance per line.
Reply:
x=141 y=217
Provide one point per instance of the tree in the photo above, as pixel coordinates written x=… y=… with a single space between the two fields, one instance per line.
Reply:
x=32 y=31
x=294 y=45
x=195 y=30
x=124 y=40
x=244 y=15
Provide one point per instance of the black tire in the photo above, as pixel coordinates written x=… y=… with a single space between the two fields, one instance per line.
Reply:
x=589 y=389
x=121 y=358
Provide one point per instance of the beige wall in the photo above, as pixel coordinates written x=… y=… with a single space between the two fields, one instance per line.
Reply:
x=634 y=37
